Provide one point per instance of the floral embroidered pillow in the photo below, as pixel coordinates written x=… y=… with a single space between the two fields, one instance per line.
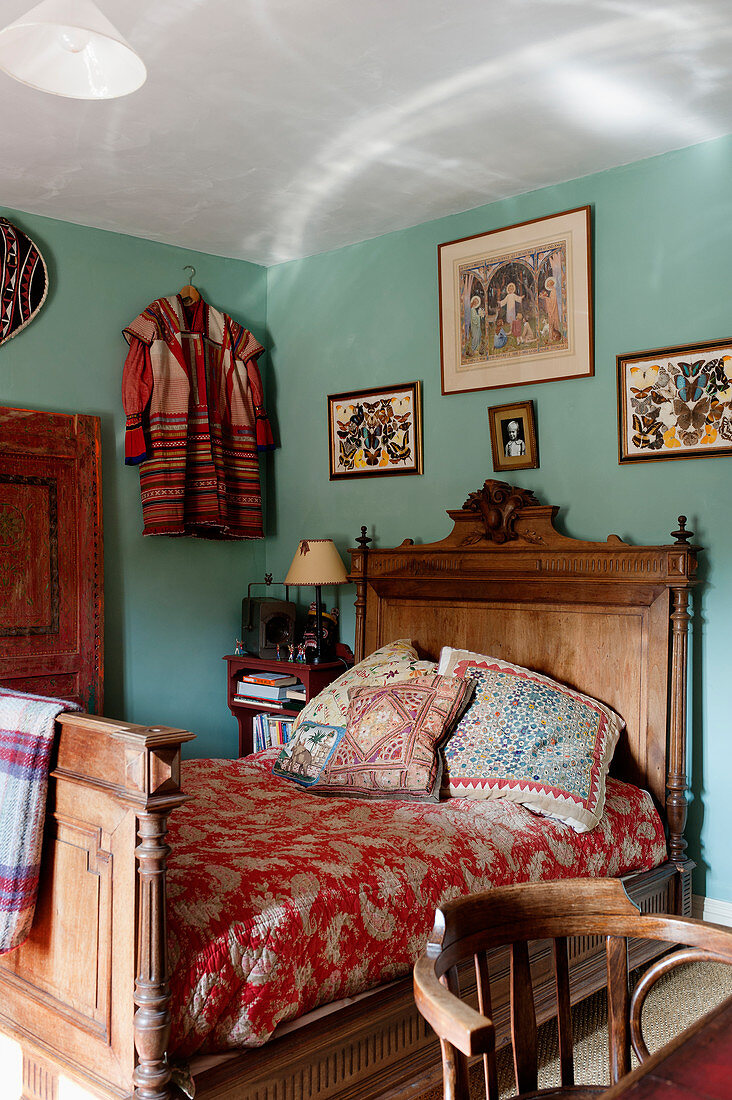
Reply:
x=529 y=739
x=393 y=662
x=393 y=736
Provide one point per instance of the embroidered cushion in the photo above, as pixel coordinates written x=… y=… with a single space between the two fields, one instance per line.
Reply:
x=527 y=738
x=393 y=733
x=393 y=662
x=306 y=754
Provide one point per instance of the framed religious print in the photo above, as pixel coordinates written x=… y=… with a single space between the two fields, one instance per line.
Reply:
x=675 y=402
x=375 y=432
x=515 y=304
x=513 y=436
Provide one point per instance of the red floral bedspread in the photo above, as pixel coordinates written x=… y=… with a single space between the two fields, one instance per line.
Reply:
x=281 y=901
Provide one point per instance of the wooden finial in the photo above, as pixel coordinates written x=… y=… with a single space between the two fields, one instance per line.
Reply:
x=682 y=536
x=364 y=540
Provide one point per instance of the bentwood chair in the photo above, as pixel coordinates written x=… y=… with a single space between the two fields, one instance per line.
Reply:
x=472 y=926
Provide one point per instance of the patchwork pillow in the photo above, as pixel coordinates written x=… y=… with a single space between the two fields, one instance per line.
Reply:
x=393 y=734
x=303 y=757
x=390 y=664
x=529 y=739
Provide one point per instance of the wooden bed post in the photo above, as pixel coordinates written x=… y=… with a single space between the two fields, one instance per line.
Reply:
x=676 y=783
x=152 y=992
x=676 y=778
x=359 y=560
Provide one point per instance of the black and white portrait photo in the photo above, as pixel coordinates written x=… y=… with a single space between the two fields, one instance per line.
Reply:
x=513 y=436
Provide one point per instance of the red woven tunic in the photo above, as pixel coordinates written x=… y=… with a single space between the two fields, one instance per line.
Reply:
x=193 y=396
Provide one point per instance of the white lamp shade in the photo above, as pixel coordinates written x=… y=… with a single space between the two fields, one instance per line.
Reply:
x=69 y=48
x=316 y=561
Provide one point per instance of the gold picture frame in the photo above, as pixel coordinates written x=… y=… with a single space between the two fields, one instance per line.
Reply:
x=675 y=402
x=516 y=304
x=376 y=432
x=513 y=436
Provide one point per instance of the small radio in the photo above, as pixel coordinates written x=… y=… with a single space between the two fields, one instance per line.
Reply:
x=267 y=624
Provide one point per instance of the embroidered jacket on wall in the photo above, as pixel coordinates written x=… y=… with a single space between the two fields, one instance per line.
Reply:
x=193 y=396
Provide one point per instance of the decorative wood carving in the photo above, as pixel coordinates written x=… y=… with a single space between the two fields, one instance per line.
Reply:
x=51 y=596
x=363 y=540
x=682 y=536
x=498 y=504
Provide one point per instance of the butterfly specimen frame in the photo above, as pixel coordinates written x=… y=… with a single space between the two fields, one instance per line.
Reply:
x=675 y=402
x=374 y=433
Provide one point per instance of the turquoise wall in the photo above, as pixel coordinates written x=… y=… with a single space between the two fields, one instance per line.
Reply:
x=172 y=605
x=367 y=315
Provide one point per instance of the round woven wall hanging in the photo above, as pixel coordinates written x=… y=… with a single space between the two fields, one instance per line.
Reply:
x=23 y=280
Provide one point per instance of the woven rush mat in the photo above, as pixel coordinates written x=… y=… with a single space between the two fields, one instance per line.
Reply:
x=675 y=1002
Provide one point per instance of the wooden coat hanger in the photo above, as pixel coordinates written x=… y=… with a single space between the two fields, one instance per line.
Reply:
x=188 y=293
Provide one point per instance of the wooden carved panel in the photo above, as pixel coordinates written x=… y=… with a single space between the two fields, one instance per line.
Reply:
x=51 y=555
x=75 y=865
x=28 y=580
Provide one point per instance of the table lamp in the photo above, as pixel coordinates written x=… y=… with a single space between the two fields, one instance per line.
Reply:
x=317 y=562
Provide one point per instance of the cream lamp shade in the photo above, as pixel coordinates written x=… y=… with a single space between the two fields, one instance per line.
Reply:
x=316 y=562
x=69 y=48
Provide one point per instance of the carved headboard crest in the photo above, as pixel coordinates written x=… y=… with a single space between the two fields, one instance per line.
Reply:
x=498 y=505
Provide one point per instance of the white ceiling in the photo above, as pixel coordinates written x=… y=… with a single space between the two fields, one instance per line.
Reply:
x=273 y=129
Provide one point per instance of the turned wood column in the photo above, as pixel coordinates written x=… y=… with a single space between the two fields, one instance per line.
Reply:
x=676 y=781
x=152 y=992
x=359 y=559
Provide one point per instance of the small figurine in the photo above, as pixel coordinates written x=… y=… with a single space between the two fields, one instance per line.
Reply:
x=291 y=651
x=329 y=635
x=239 y=648
x=300 y=657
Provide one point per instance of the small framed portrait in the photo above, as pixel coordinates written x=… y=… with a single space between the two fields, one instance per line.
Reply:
x=513 y=436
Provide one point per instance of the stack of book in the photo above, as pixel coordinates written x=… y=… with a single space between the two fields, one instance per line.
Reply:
x=269 y=731
x=270 y=690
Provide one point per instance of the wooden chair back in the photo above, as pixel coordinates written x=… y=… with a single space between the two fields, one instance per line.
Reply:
x=515 y=915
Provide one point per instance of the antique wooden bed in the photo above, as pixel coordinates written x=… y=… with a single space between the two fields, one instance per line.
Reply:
x=87 y=997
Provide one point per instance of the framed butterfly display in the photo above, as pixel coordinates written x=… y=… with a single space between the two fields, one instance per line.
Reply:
x=375 y=432
x=675 y=402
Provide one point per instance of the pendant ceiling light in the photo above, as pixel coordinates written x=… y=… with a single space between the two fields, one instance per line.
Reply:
x=69 y=48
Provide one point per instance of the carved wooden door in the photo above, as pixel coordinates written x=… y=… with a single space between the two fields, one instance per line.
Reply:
x=51 y=602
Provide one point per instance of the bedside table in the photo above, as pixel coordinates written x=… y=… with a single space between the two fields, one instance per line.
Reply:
x=314 y=677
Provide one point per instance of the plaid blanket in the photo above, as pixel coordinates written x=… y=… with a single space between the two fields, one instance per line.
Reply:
x=27 y=724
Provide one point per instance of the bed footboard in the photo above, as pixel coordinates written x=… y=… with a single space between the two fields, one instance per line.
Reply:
x=86 y=996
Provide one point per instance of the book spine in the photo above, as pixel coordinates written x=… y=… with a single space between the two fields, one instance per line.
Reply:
x=270 y=704
x=258 y=691
x=270 y=681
